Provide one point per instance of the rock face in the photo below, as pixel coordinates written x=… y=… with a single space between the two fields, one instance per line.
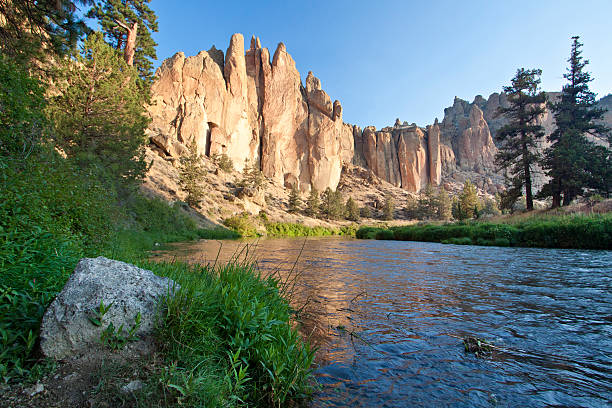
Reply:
x=66 y=327
x=253 y=109
x=256 y=110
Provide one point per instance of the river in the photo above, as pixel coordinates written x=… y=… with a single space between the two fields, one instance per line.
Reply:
x=389 y=318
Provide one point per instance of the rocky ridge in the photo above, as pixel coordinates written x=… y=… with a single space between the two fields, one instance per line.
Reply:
x=256 y=110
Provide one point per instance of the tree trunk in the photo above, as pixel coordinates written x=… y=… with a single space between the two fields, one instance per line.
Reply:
x=567 y=198
x=130 y=44
x=527 y=170
x=556 y=200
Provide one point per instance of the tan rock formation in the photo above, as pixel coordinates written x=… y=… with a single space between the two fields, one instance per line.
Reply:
x=433 y=151
x=413 y=159
x=285 y=147
x=476 y=149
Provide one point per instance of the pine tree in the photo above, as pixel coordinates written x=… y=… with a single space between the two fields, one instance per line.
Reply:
x=388 y=208
x=313 y=203
x=467 y=205
x=568 y=160
x=127 y=25
x=443 y=205
x=352 y=210
x=191 y=173
x=427 y=207
x=294 y=200
x=98 y=115
x=518 y=139
x=331 y=204
x=31 y=27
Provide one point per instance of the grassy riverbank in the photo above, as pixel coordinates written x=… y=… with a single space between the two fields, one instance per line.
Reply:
x=285 y=229
x=544 y=231
x=227 y=337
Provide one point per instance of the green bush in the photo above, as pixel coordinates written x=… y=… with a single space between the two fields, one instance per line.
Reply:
x=242 y=224
x=285 y=229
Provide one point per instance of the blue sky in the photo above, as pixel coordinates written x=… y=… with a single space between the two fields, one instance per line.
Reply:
x=407 y=59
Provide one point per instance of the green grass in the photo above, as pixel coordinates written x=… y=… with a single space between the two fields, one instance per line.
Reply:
x=285 y=229
x=566 y=231
x=228 y=339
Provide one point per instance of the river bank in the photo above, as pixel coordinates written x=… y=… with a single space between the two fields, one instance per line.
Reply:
x=210 y=346
x=547 y=231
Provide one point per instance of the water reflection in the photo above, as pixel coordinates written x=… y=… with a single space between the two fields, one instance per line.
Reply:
x=388 y=318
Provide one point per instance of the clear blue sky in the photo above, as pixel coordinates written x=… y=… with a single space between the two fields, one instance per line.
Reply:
x=407 y=59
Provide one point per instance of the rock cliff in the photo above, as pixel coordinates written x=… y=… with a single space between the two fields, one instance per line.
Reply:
x=253 y=109
x=256 y=110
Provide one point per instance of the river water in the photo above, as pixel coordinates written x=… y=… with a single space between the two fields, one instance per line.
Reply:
x=389 y=318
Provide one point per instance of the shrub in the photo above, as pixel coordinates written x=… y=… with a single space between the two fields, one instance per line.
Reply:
x=388 y=208
x=223 y=162
x=242 y=224
x=191 y=174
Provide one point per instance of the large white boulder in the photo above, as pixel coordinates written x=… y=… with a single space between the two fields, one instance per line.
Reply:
x=67 y=328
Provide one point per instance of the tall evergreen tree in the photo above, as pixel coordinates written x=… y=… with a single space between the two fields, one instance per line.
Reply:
x=313 y=204
x=443 y=205
x=568 y=161
x=352 y=210
x=518 y=139
x=127 y=26
x=98 y=115
x=29 y=27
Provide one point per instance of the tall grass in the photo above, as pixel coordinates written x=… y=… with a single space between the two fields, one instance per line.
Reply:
x=567 y=231
x=228 y=337
x=285 y=229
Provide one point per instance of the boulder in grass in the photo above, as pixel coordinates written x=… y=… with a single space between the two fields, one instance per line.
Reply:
x=73 y=324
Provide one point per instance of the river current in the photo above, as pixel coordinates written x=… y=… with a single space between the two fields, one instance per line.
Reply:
x=389 y=318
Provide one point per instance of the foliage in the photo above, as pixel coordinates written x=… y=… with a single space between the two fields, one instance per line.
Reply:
x=332 y=206
x=53 y=213
x=568 y=160
x=466 y=205
x=294 y=200
x=388 y=208
x=352 y=210
x=285 y=229
x=30 y=28
x=127 y=12
x=224 y=162
x=443 y=205
x=98 y=116
x=313 y=204
x=252 y=176
x=365 y=212
x=242 y=224
x=519 y=138
x=427 y=205
x=22 y=119
x=229 y=340
x=577 y=231
x=489 y=207
x=191 y=173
